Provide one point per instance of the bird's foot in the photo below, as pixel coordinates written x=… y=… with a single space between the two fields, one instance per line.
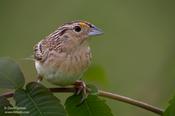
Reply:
x=39 y=79
x=81 y=88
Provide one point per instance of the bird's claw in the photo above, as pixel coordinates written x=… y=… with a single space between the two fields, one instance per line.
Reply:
x=39 y=79
x=80 y=87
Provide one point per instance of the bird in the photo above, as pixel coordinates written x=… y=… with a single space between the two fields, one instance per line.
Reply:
x=63 y=56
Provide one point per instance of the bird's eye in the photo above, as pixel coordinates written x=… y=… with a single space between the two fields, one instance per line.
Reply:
x=77 y=28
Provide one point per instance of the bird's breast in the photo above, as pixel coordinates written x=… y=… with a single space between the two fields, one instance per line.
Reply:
x=65 y=68
x=76 y=62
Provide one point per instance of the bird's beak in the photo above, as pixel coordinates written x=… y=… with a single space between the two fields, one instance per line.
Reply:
x=95 y=31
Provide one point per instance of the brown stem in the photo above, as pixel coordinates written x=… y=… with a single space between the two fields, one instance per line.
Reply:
x=107 y=95
x=131 y=101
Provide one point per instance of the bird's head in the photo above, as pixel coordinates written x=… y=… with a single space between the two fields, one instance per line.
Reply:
x=78 y=31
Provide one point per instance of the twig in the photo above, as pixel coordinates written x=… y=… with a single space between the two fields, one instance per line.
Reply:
x=131 y=101
x=107 y=95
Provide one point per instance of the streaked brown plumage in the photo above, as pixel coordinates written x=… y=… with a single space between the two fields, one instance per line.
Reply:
x=64 y=55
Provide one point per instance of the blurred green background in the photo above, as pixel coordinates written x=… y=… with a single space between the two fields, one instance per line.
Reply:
x=137 y=50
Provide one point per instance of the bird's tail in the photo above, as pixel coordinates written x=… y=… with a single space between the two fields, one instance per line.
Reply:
x=30 y=58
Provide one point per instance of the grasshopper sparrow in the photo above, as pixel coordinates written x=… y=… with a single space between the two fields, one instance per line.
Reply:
x=63 y=56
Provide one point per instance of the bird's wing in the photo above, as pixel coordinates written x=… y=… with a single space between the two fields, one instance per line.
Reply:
x=46 y=46
x=41 y=51
x=50 y=43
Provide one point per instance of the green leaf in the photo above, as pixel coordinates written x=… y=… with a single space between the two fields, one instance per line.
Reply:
x=170 y=111
x=96 y=73
x=93 y=90
x=39 y=101
x=3 y=104
x=10 y=74
x=92 y=106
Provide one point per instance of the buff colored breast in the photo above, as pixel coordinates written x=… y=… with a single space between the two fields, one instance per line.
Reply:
x=64 y=69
